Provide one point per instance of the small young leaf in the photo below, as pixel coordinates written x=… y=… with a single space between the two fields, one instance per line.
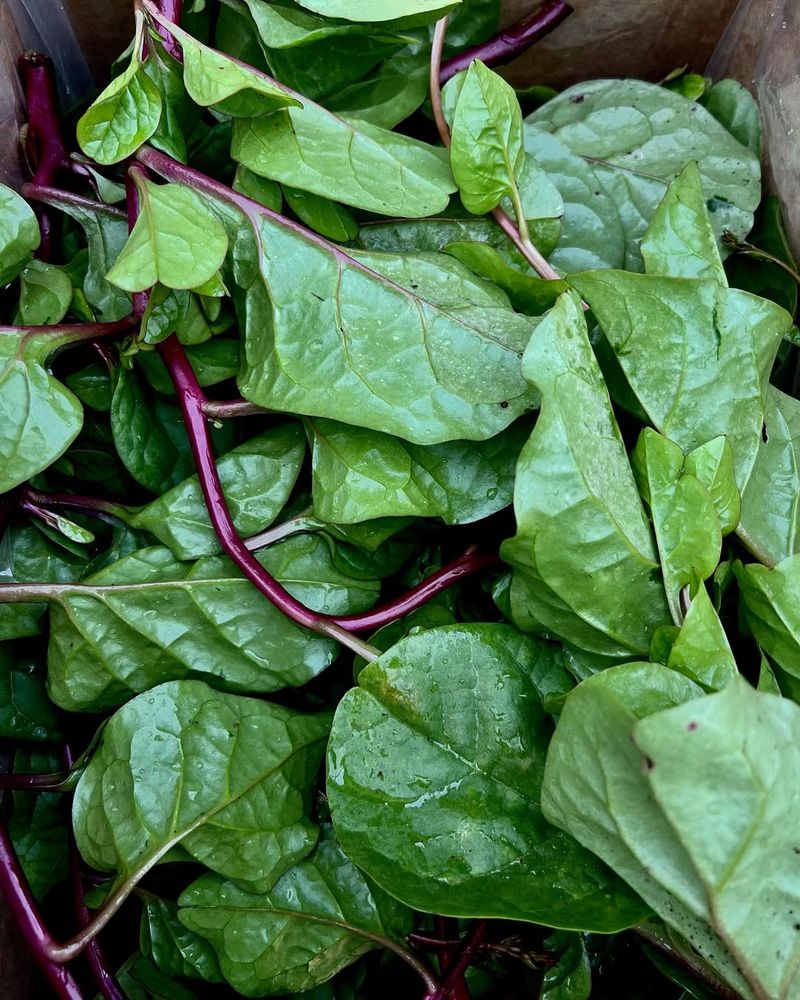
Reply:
x=735 y=108
x=39 y=828
x=685 y=521
x=527 y=293
x=322 y=215
x=487 y=152
x=177 y=240
x=701 y=650
x=45 y=294
x=124 y=116
x=319 y=917
x=19 y=234
x=227 y=778
x=175 y=949
x=25 y=711
x=679 y=241
x=712 y=464
x=770 y=608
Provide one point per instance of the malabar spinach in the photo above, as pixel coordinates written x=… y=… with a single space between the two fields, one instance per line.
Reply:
x=398 y=538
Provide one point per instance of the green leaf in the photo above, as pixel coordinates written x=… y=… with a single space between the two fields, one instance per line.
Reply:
x=527 y=293
x=225 y=778
x=319 y=917
x=25 y=710
x=584 y=562
x=486 y=152
x=38 y=828
x=142 y=980
x=696 y=355
x=149 y=435
x=41 y=418
x=92 y=386
x=175 y=949
x=740 y=819
x=769 y=518
x=679 y=240
x=395 y=91
x=441 y=746
x=106 y=232
x=388 y=10
x=19 y=234
x=214 y=79
x=637 y=137
x=166 y=311
x=285 y=27
x=686 y=524
x=125 y=114
x=432 y=235
x=257 y=478
x=160 y=619
x=591 y=231
x=769 y=606
x=348 y=161
x=177 y=240
x=260 y=189
x=213 y=361
x=735 y=108
x=45 y=294
x=359 y=474
x=701 y=650
x=323 y=216
x=712 y=464
x=571 y=977
x=27 y=555
x=596 y=787
x=417 y=347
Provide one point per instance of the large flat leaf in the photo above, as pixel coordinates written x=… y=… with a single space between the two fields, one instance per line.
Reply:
x=40 y=417
x=771 y=501
x=417 y=347
x=345 y=160
x=359 y=474
x=637 y=137
x=225 y=778
x=257 y=478
x=441 y=748
x=319 y=917
x=696 y=355
x=585 y=567
x=366 y=10
x=596 y=786
x=149 y=618
x=19 y=234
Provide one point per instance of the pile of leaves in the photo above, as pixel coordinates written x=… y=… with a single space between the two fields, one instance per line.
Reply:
x=400 y=497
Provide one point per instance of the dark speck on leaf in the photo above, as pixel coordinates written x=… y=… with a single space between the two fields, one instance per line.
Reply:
x=796 y=850
x=319 y=298
x=578 y=99
x=649 y=764
x=692 y=726
x=504 y=404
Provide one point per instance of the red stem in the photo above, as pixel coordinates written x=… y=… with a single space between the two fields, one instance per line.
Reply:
x=466 y=565
x=33 y=782
x=104 y=509
x=512 y=41
x=105 y=979
x=172 y=10
x=45 y=138
x=139 y=298
x=19 y=899
x=455 y=975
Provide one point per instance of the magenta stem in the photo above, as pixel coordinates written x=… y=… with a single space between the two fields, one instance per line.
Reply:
x=139 y=299
x=455 y=975
x=105 y=979
x=33 y=782
x=466 y=565
x=512 y=41
x=45 y=139
x=19 y=899
x=104 y=509
x=172 y=10
x=74 y=332
x=56 y=196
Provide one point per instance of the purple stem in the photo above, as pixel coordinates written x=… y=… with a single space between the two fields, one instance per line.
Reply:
x=33 y=782
x=19 y=899
x=191 y=398
x=57 y=196
x=455 y=975
x=466 y=565
x=44 y=133
x=75 y=332
x=512 y=41
x=172 y=10
x=105 y=979
x=104 y=509
x=139 y=298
